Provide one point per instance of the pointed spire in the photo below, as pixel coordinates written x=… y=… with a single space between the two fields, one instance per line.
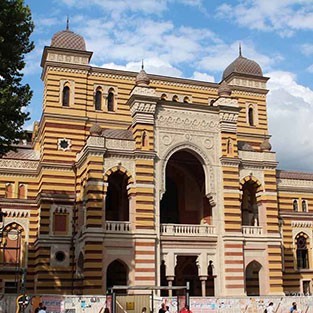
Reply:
x=240 y=49
x=142 y=79
x=67 y=23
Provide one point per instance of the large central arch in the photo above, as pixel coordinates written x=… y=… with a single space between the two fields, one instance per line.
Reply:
x=184 y=200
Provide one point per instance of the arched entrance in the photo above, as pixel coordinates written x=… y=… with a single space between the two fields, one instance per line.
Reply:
x=253 y=278
x=249 y=204
x=186 y=270
x=117 y=202
x=184 y=201
x=117 y=275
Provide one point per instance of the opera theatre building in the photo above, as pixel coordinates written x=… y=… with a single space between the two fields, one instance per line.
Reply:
x=146 y=180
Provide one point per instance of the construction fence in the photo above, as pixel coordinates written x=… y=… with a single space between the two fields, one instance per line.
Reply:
x=135 y=303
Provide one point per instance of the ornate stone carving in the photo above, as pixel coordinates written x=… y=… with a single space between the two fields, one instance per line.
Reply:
x=143 y=91
x=167 y=139
x=226 y=102
x=302 y=224
x=120 y=144
x=128 y=164
x=18 y=164
x=176 y=119
x=228 y=117
x=65 y=58
x=143 y=107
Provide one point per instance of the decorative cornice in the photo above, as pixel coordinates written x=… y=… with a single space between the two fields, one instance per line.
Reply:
x=143 y=107
x=196 y=121
x=67 y=70
x=302 y=224
x=18 y=164
x=15 y=213
x=232 y=162
x=286 y=184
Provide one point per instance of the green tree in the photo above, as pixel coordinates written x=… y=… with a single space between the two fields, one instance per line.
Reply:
x=16 y=27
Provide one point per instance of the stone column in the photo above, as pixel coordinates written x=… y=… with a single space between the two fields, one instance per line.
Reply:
x=203 y=280
x=170 y=280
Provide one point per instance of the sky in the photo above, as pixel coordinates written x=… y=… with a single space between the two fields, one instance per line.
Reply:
x=197 y=39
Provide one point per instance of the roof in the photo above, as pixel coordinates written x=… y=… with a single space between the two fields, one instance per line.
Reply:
x=243 y=66
x=22 y=154
x=294 y=175
x=118 y=134
x=68 y=40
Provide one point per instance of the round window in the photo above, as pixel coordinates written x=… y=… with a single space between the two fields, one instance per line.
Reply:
x=60 y=256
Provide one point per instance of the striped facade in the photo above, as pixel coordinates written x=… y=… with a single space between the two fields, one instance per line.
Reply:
x=138 y=180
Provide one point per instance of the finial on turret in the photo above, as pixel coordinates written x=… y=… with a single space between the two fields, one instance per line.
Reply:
x=67 y=23
x=142 y=65
x=240 y=49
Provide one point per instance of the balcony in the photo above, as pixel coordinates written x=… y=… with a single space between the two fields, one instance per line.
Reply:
x=187 y=230
x=252 y=231
x=117 y=227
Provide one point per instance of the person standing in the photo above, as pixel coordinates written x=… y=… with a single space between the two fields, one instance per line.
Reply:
x=293 y=308
x=163 y=308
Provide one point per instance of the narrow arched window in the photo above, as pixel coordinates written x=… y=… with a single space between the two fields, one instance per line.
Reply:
x=304 y=206
x=302 y=252
x=144 y=140
x=186 y=100
x=251 y=117
x=111 y=101
x=229 y=148
x=22 y=191
x=295 y=205
x=98 y=99
x=163 y=97
x=175 y=98
x=66 y=96
x=9 y=191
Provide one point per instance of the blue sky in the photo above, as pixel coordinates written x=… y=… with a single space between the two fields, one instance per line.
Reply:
x=197 y=39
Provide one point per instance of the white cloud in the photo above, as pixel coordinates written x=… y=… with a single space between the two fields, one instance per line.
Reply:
x=151 y=66
x=290 y=110
x=307 y=49
x=219 y=56
x=282 y=16
x=203 y=77
x=117 y=7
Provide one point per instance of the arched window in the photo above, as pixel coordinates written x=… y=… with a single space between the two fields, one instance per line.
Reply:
x=144 y=139
x=12 y=237
x=229 y=148
x=9 y=190
x=164 y=96
x=98 y=99
x=111 y=100
x=117 y=202
x=250 y=116
x=117 y=275
x=304 y=206
x=66 y=96
x=22 y=191
x=186 y=100
x=295 y=205
x=302 y=251
x=175 y=98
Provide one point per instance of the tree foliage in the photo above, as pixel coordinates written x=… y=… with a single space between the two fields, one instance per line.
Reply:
x=16 y=27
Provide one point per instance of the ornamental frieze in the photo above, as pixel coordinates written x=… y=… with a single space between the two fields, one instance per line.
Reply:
x=143 y=107
x=19 y=164
x=176 y=119
x=120 y=144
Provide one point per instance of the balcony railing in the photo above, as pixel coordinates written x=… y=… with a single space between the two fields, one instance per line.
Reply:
x=252 y=230
x=187 y=230
x=117 y=227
